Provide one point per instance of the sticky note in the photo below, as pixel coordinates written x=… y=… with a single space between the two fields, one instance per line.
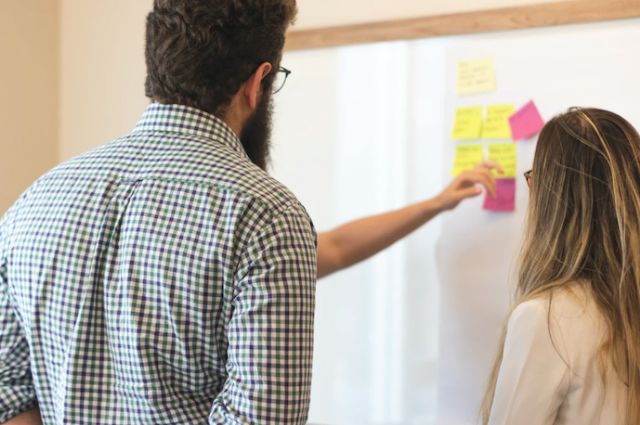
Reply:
x=467 y=157
x=526 y=123
x=468 y=123
x=496 y=125
x=504 y=154
x=476 y=76
x=505 y=200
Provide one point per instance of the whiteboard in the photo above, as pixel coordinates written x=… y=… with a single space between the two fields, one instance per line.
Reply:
x=591 y=65
x=409 y=337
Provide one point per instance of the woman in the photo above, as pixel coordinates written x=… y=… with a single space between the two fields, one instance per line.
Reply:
x=356 y=241
x=571 y=353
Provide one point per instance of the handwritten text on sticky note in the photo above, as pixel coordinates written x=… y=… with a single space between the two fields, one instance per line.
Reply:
x=526 y=123
x=467 y=157
x=496 y=125
x=468 y=123
x=505 y=200
x=476 y=76
x=504 y=154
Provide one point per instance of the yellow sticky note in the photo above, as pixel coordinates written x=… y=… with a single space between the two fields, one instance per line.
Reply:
x=496 y=125
x=505 y=155
x=467 y=157
x=468 y=123
x=476 y=76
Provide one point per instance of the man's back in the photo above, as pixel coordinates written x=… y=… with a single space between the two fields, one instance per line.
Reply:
x=162 y=278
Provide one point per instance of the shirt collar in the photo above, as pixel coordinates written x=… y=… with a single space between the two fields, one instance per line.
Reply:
x=188 y=121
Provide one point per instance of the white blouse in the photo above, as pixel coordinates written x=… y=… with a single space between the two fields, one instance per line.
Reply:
x=551 y=373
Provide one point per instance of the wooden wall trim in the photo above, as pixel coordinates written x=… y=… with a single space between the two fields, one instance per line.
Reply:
x=511 y=18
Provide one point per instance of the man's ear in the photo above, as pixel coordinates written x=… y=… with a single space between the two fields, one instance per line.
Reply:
x=253 y=86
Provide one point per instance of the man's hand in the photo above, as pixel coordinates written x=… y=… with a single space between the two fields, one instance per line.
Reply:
x=31 y=417
x=469 y=185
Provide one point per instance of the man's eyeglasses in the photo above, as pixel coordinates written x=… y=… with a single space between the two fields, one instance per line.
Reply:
x=528 y=177
x=281 y=78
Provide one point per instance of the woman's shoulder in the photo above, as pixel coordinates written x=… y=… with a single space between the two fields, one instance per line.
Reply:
x=567 y=316
x=569 y=302
x=533 y=311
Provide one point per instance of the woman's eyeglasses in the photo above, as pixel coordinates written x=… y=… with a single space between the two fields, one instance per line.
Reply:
x=528 y=177
x=281 y=78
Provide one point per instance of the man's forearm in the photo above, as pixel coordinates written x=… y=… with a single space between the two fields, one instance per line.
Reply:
x=361 y=239
x=32 y=417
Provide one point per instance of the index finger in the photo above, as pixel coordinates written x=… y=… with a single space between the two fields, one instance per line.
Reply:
x=483 y=177
x=491 y=165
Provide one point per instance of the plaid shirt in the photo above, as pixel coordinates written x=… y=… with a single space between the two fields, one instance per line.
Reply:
x=160 y=279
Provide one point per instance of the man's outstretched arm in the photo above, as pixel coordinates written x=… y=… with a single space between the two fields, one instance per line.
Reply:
x=356 y=241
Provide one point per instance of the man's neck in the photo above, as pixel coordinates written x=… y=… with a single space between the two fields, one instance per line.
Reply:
x=233 y=125
x=233 y=118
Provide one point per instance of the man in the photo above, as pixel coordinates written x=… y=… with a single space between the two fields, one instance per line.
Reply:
x=165 y=278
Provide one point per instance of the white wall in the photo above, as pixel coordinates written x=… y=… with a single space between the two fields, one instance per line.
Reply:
x=29 y=93
x=102 y=56
x=322 y=13
x=102 y=71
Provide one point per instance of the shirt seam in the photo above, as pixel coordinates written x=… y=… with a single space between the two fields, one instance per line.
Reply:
x=227 y=143
x=217 y=187
x=289 y=207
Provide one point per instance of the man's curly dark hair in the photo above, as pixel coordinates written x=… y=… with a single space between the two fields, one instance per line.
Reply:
x=199 y=52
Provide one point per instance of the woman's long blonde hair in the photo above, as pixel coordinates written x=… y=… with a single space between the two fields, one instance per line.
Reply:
x=584 y=225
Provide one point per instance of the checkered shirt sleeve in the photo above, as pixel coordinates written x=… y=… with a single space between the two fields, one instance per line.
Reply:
x=17 y=393
x=271 y=332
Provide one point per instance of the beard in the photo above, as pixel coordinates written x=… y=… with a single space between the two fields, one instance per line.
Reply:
x=256 y=134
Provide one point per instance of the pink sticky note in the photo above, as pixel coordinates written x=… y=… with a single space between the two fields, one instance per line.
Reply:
x=505 y=200
x=526 y=123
